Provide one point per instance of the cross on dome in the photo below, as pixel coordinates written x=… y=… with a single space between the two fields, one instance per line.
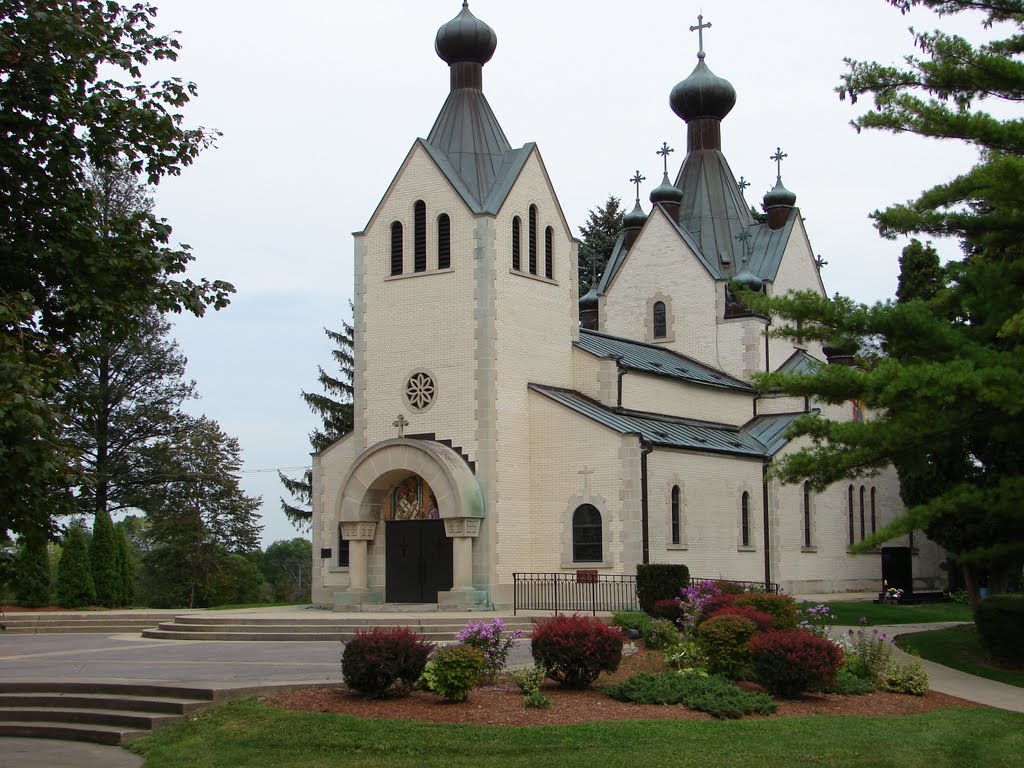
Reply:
x=699 y=29
x=665 y=151
x=778 y=157
x=638 y=180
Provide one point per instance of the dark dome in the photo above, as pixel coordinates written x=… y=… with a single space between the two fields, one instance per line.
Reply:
x=748 y=279
x=465 y=38
x=666 y=193
x=635 y=218
x=779 y=197
x=703 y=94
x=590 y=300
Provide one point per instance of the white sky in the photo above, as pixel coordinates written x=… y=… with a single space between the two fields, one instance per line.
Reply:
x=320 y=100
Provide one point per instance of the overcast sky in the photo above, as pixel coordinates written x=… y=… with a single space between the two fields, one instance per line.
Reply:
x=320 y=100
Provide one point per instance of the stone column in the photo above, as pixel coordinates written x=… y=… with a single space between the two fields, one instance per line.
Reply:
x=462 y=531
x=358 y=535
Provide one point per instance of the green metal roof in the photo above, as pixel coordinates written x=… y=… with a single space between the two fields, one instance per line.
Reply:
x=650 y=358
x=801 y=362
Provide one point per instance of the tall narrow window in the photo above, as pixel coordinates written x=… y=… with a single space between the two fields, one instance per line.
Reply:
x=549 y=253
x=874 y=518
x=586 y=534
x=343 y=560
x=660 y=326
x=444 y=241
x=745 y=519
x=676 y=536
x=420 y=236
x=849 y=500
x=396 y=248
x=533 y=239
x=517 y=237
x=863 y=530
x=807 y=515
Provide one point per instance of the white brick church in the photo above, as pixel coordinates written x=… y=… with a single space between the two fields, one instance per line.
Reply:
x=503 y=424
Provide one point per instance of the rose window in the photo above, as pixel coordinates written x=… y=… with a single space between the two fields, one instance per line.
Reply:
x=420 y=391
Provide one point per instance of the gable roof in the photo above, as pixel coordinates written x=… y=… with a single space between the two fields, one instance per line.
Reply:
x=650 y=358
x=801 y=362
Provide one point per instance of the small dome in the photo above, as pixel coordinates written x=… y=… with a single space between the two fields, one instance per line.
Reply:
x=465 y=38
x=749 y=280
x=666 y=193
x=779 y=196
x=590 y=300
x=635 y=218
x=703 y=94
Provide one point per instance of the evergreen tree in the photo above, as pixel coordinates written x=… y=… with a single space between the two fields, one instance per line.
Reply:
x=334 y=407
x=32 y=572
x=103 y=562
x=75 y=587
x=921 y=277
x=126 y=566
x=600 y=233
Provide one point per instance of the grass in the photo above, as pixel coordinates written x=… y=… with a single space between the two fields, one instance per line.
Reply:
x=250 y=735
x=254 y=605
x=848 y=614
x=959 y=648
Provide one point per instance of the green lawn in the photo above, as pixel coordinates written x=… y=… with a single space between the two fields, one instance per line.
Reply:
x=959 y=648
x=850 y=613
x=251 y=735
x=253 y=605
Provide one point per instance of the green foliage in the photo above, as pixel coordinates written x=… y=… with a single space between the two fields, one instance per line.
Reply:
x=663 y=635
x=288 y=568
x=723 y=641
x=32 y=572
x=849 y=684
x=1000 y=623
x=921 y=276
x=869 y=654
x=906 y=677
x=125 y=564
x=635 y=620
x=782 y=607
x=659 y=581
x=575 y=650
x=75 y=588
x=529 y=679
x=103 y=565
x=453 y=671
x=602 y=230
x=536 y=700
x=687 y=655
x=705 y=693
x=959 y=648
x=375 y=660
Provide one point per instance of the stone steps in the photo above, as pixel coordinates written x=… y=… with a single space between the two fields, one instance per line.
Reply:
x=92 y=622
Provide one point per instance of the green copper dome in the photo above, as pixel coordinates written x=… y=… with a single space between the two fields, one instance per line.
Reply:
x=635 y=218
x=465 y=38
x=779 y=196
x=703 y=94
x=666 y=192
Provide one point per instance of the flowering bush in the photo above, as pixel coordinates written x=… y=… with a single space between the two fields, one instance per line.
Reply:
x=723 y=640
x=373 y=661
x=868 y=654
x=492 y=641
x=815 y=619
x=790 y=662
x=576 y=649
x=763 y=621
x=453 y=671
x=662 y=636
x=782 y=607
x=694 y=601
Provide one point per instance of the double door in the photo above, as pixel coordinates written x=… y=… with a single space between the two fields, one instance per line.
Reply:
x=418 y=561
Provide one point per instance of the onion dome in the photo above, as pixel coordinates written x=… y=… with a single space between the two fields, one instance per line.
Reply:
x=465 y=38
x=779 y=196
x=703 y=94
x=636 y=218
x=666 y=192
x=590 y=299
x=749 y=280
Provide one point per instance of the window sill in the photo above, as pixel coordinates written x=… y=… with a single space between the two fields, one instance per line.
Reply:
x=338 y=569
x=531 y=276
x=585 y=566
x=741 y=548
x=661 y=340
x=812 y=550
x=425 y=273
x=677 y=547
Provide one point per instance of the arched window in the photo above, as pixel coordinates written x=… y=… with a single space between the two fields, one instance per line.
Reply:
x=444 y=241
x=863 y=530
x=517 y=225
x=676 y=533
x=874 y=519
x=849 y=494
x=660 y=328
x=807 y=515
x=745 y=519
x=586 y=534
x=549 y=253
x=419 y=236
x=396 y=248
x=533 y=239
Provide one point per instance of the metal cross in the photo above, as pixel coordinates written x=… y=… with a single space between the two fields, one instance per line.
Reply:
x=665 y=151
x=638 y=179
x=742 y=184
x=586 y=472
x=699 y=29
x=778 y=157
x=819 y=260
x=744 y=237
x=401 y=423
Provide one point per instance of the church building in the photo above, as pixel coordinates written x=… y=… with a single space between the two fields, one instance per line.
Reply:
x=503 y=424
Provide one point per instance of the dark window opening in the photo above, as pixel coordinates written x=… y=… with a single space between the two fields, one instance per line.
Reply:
x=676 y=538
x=533 y=239
x=586 y=534
x=874 y=519
x=444 y=241
x=849 y=494
x=516 y=245
x=807 y=514
x=745 y=519
x=396 y=248
x=343 y=561
x=660 y=325
x=420 y=236
x=549 y=253
x=863 y=530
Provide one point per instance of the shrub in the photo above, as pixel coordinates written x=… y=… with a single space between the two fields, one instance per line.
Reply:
x=453 y=670
x=32 y=572
x=763 y=621
x=906 y=677
x=492 y=641
x=659 y=581
x=536 y=700
x=666 y=609
x=106 y=572
x=662 y=635
x=373 y=661
x=687 y=655
x=576 y=649
x=815 y=619
x=715 y=604
x=697 y=599
x=705 y=693
x=124 y=562
x=638 y=621
x=782 y=607
x=849 y=684
x=732 y=588
x=529 y=679
x=1000 y=623
x=790 y=662
x=74 y=581
x=723 y=640
x=868 y=654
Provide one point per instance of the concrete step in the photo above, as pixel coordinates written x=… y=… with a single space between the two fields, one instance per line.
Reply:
x=129 y=720
x=90 y=622
x=156 y=704
x=120 y=690
x=96 y=734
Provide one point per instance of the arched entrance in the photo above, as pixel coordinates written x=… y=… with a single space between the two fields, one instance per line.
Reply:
x=411 y=511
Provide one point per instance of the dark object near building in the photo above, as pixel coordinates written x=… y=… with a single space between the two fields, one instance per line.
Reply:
x=897 y=569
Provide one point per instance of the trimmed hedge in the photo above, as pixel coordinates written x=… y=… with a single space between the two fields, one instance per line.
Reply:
x=782 y=607
x=576 y=649
x=659 y=581
x=454 y=670
x=790 y=662
x=373 y=661
x=763 y=621
x=1000 y=623
x=723 y=639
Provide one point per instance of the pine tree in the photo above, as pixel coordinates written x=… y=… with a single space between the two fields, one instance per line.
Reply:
x=103 y=565
x=125 y=565
x=32 y=572
x=921 y=276
x=75 y=587
x=334 y=407
x=600 y=233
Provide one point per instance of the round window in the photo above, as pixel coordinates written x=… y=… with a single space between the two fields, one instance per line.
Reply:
x=420 y=391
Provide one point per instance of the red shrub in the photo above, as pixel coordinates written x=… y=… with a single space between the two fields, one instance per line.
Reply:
x=376 y=659
x=790 y=662
x=576 y=649
x=666 y=609
x=782 y=607
x=716 y=604
x=763 y=621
